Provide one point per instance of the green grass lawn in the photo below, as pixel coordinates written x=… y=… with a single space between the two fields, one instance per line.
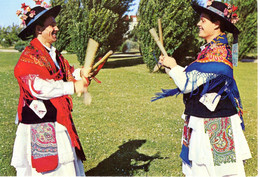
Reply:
x=122 y=132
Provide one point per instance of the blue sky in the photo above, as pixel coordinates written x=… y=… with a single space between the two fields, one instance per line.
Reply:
x=9 y=8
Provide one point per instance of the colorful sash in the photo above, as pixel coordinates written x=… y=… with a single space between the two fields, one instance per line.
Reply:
x=214 y=62
x=186 y=142
x=221 y=139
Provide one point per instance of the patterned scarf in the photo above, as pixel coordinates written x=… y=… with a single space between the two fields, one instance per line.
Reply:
x=214 y=65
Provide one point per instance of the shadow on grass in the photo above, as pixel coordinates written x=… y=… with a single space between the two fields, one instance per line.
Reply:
x=124 y=162
x=126 y=61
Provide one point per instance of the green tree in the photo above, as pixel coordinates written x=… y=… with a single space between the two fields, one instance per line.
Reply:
x=9 y=35
x=248 y=26
x=178 y=25
x=83 y=19
x=247 y=13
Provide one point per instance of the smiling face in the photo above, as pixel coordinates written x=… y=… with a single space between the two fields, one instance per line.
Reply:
x=207 y=29
x=47 y=34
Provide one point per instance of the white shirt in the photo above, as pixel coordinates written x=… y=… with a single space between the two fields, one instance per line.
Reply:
x=49 y=88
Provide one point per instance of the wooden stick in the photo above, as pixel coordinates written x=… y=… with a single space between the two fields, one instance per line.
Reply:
x=160 y=30
x=158 y=66
x=89 y=59
x=158 y=42
x=102 y=59
x=91 y=52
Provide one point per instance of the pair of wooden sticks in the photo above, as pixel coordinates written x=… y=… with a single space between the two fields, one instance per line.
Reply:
x=159 y=42
x=89 y=61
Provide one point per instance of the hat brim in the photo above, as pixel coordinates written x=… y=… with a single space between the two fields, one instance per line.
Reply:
x=28 y=31
x=230 y=27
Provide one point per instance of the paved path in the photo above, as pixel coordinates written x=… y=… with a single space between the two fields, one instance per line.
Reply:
x=119 y=55
x=125 y=55
x=8 y=50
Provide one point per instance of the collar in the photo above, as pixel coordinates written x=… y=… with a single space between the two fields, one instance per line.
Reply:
x=220 y=39
x=204 y=46
x=52 y=52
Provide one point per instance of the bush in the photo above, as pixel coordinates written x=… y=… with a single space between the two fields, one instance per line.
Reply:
x=80 y=20
x=179 y=30
x=20 y=45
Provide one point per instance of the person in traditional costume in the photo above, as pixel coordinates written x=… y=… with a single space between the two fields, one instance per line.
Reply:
x=213 y=143
x=46 y=140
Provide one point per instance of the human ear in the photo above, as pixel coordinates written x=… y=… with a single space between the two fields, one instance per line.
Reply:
x=217 y=25
x=38 y=29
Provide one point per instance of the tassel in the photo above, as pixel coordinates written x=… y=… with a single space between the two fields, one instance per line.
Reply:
x=235 y=50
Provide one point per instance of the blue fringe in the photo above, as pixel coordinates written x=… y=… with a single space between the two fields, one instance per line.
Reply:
x=166 y=93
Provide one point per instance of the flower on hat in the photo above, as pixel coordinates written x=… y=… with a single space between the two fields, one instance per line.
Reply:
x=27 y=9
x=32 y=14
x=24 y=17
x=22 y=24
x=24 y=6
x=234 y=18
x=38 y=2
x=18 y=12
x=45 y=5
x=228 y=13
x=209 y=2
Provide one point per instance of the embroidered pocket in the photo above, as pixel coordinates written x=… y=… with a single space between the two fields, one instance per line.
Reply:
x=221 y=139
x=38 y=108
x=44 y=147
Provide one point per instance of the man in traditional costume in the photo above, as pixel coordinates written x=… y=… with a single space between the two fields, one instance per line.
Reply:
x=46 y=139
x=213 y=142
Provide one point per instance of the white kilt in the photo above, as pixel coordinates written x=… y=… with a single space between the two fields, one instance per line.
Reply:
x=200 y=151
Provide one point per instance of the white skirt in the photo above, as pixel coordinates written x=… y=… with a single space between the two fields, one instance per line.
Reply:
x=69 y=164
x=200 y=151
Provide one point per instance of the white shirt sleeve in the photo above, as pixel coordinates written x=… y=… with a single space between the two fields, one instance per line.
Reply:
x=76 y=74
x=179 y=76
x=47 y=89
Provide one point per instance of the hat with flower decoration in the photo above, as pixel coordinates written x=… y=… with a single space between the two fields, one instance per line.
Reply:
x=225 y=13
x=31 y=16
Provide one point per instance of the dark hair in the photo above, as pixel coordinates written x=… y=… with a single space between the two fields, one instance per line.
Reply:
x=214 y=18
x=40 y=22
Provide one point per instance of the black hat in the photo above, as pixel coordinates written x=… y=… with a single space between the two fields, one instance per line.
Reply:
x=224 y=12
x=31 y=22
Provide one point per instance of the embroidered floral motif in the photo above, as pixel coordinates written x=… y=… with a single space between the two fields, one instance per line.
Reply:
x=216 y=51
x=43 y=140
x=221 y=138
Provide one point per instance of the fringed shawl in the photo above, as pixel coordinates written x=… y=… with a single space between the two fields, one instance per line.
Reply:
x=214 y=65
x=35 y=60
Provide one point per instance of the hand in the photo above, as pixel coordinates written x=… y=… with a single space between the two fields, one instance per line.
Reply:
x=86 y=72
x=79 y=86
x=168 y=62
